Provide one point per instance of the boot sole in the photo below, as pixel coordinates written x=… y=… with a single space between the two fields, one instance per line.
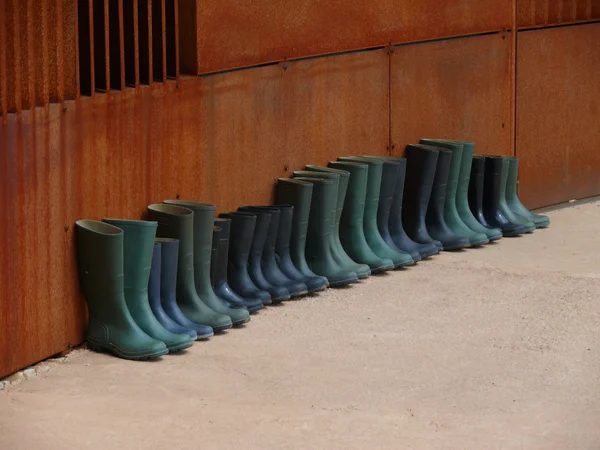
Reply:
x=456 y=247
x=177 y=348
x=343 y=282
x=223 y=328
x=256 y=309
x=280 y=299
x=241 y=322
x=102 y=348
x=299 y=294
x=322 y=288
x=204 y=337
x=494 y=238
x=479 y=243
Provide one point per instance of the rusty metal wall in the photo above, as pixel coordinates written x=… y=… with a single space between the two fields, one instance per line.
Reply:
x=459 y=88
x=558 y=112
x=543 y=13
x=38 y=55
x=233 y=33
x=223 y=138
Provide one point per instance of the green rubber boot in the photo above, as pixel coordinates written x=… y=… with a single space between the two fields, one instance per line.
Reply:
x=100 y=262
x=374 y=239
x=451 y=215
x=462 y=193
x=204 y=219
x=339 y=254
x=352 y=230
x=138 y=245
x=319 y=242
x=504 y=207
x=178 y=223
x=514 y=203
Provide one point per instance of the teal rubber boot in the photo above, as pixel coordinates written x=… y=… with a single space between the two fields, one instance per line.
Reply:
x=374 y=239
x=352 y=231
x=299 y=194
x=319 y=255
x=204 y=219
x=339 y=254
x=514 y=203
x=138 y=246
x=100 y=262
x=178 y=223
x=529 y=225
x=462 y=193
x=451 y=215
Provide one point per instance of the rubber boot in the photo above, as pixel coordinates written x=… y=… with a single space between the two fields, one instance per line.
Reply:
x=204 y=217
x=374 y=238
x=504 y=208
x=390 y=177
x=492 y=193
x=319 y=255
x=352 y=230
x=242 y=232
x=219 y=269
x=168 y=288
x=282 y=251
x=270 y=269
x=396 y=228
x=420 y=173
x=514 y=203
x=100 y=262
x=436 y=223
x=451 y=214
x=154 y=289
x=299 y=194
x=138 y=246
x=476 y=190
x=214 y=252
x=340 y=182
x=259 y=239
x=392 y=166
x=178 y=223
x=233 y=301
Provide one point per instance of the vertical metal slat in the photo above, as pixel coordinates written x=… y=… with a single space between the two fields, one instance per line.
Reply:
x=41 y=18
x=107 y=45
x=3 y=80
x=163 y=29
x=176 y=14
x=122 y=44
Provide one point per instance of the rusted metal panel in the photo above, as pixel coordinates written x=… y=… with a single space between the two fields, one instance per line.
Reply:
x=188 y=37
x=541 y=13
x=558 y=114
x=3 y=74
x=335 y=106
x=68 y=87
x=233 y=33
x=40 y=23
x=595 y=9
x=459 y=89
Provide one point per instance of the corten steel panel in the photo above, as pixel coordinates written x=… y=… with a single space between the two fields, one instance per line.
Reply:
x=558 y=112
x=457 y=89
x=217 y=139
x=540 y=13
x=335 y=106
x=234 y=33
x=241 y=127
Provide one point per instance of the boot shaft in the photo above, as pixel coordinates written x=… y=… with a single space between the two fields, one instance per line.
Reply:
x=155 y=270
x=138 y=247
x=374 y=176
x=512 y=178
x=420 y=173
x=476 y=185
x=456 y=161
x=492 y=184
x=241 y=226
x=169 y=255
x=354 y=204
x=203 y=222
x=319 y=223
x=333 y=177
x=438 y=193
x=176 y=222
x=284 y=234
x=100 y=262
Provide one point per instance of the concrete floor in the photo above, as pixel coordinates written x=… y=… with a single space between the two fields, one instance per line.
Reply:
x=491 y=348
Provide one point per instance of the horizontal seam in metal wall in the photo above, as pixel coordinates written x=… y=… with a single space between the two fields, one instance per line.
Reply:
x=559 y=25
x=346 y=52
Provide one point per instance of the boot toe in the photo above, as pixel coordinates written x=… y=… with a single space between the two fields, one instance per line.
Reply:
x=343 y=279
x=541 y=221
x=315 y=284
x=477 y=239
x=254 y=305
x=279 y=294
x=183 y=342
x=297 y=289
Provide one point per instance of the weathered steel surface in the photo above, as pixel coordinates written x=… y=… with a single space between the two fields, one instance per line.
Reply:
x=234 y=33
x=541 y=13
x=558 y=112
x=335 y=106
x=459 y=89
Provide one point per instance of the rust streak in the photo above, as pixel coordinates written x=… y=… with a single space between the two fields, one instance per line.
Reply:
x=176 y=13
x=107 y=45
x=122 y=44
